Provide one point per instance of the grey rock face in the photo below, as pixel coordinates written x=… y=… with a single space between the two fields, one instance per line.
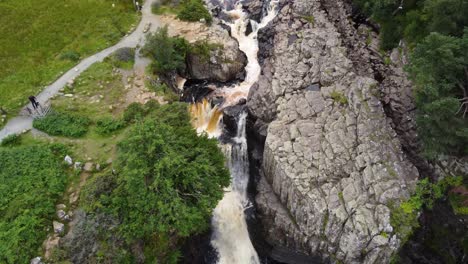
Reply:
x=332 y=162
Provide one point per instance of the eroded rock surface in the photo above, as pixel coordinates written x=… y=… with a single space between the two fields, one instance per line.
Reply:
x=332 y=159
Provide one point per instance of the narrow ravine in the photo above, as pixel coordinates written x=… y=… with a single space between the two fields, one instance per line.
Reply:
x=230 y=234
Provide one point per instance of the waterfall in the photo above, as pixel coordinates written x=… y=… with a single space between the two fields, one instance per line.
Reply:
x=230 y=235
x=205 y=118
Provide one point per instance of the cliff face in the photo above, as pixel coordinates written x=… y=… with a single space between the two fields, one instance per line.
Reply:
x=333 y=161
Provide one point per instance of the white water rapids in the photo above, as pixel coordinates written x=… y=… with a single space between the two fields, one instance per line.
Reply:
x=249 y=45
x=230 y=235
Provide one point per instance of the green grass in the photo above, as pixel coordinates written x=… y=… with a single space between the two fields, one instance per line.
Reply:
x=41 y=39
x=94 y=92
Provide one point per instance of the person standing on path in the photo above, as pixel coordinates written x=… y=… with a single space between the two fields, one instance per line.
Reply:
x=34 y=101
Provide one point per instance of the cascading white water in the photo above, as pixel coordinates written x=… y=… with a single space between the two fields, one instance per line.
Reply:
x=230 y=235
x=249 y=45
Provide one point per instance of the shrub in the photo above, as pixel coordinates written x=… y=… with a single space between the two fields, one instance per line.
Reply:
x=134 y=112
x=169 y=178
x=161 y=89
x=32 y=180
x=63 y=124
x=167 y=182
x=123 y=58
x=108 y=125
x=404 y=217
x=194 y=10
x=70 y=55
x=203 y=48
x=164 y=6
x=168 y=53
x=11 y=140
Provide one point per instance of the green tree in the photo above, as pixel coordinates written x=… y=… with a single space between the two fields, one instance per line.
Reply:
x=194 y=10
x=439 y=70
x=169 y=53
x=169 y=179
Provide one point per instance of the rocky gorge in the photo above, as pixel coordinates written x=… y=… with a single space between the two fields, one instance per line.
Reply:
x=332 y=138
x=340 y=145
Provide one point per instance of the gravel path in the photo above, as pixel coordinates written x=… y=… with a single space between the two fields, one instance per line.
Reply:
x=20 y=123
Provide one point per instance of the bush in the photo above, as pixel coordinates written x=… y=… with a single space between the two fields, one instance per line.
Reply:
x=108 y=125
x=32 y=180
x=404 y=217
x=161 y=89
x=169 y=53
x=123 y=58
x=170 y=179
x=167 y=182
x=203 y=48
x=70 y=55
x=194 y=10
x=11 y=140
x=134 y=112
x=164 y=6
x=63 y=124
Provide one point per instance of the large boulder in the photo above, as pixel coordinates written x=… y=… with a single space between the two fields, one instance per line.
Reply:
x=224 y=61
x=332 y=163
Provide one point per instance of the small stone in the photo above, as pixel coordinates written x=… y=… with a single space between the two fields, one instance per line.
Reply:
x=58 y=227
x=68 y=95
x=73 y=198
x=61 y=214
x=36 y=260
x=88 y=167
x=78 y=165
x=98 y=167
x=61 y=206
x=66 y=217
x=109 y=161
x=68 y=160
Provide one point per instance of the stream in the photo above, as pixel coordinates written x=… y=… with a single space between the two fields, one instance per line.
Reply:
x=230 y=236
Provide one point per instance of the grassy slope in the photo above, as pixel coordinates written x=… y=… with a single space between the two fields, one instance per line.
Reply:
x=34 y=34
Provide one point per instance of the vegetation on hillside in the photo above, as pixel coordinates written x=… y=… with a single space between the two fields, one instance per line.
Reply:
x=194 y=10
x=404 y=217
x=435 y=31
x=439 y=70
x=63 y=124
x=413 y=20
x=41 y=39
x=168 y=53
x=167 y=184
x=186 y=10
x=31 y=181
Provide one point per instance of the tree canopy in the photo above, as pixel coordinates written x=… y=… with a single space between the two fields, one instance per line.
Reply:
x=439 y=69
